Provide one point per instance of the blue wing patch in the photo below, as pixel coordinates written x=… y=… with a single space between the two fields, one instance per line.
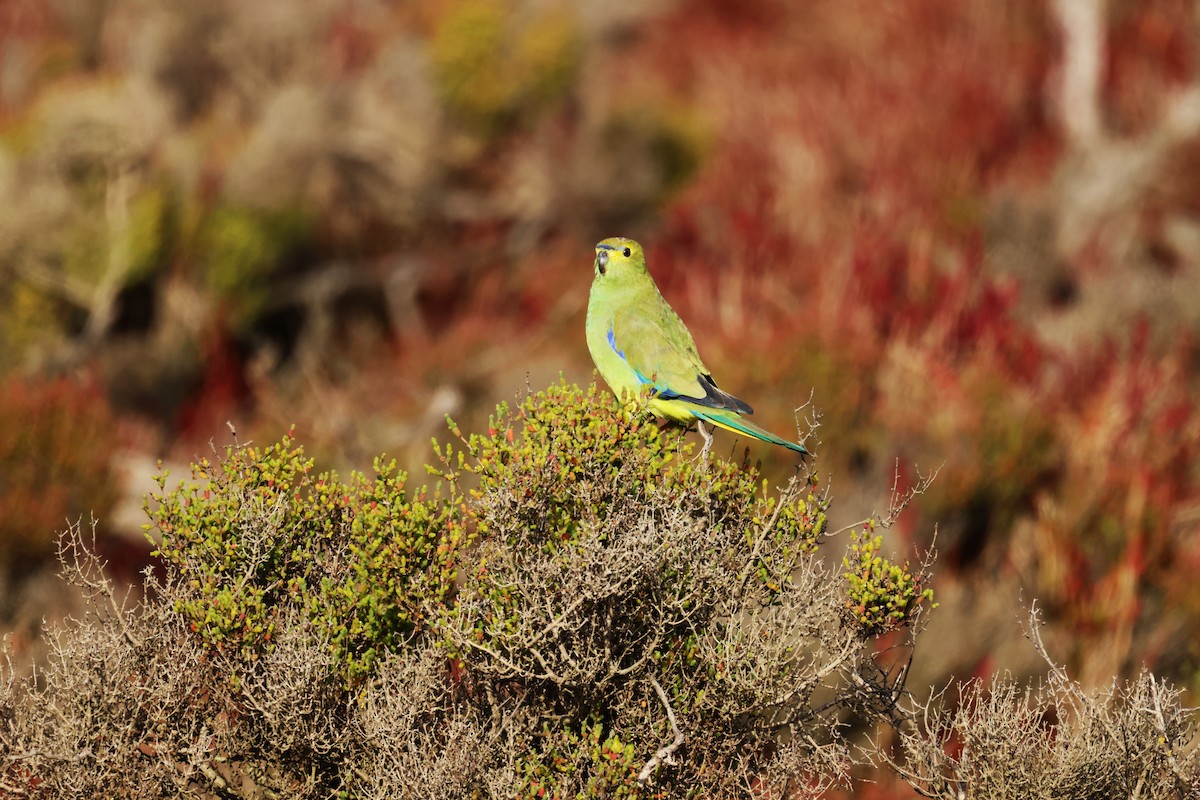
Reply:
x=612 y=342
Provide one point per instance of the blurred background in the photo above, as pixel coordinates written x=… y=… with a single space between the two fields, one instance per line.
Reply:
x=967 y=231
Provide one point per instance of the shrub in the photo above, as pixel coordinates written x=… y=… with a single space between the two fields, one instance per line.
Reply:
x=577 y=609
x=636 y=597
x=1133 y=739
x=260 y=535
x=626 y=622
x=881 y=595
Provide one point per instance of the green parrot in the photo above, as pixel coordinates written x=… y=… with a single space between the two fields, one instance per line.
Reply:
x=636 y=339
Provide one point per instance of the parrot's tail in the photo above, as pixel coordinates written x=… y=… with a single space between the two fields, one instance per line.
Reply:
x=732 y=422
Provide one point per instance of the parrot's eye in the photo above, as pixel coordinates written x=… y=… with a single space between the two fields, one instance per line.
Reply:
x=627 y=252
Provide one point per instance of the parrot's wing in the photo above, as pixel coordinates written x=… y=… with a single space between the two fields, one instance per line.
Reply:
x=660 y=351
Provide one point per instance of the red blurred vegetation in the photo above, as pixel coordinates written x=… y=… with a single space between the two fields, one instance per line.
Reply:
x=56 y=446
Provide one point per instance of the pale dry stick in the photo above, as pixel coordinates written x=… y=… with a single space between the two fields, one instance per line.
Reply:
x=262 y=781
x=666 y=753
x=1077 y=699
x=118 y=264
x=1066 y=690
x=762 y=537
x=1083 y=25
x=514 y=669
x=1108 y=172
x=82 y=567
x=220 y=786
x=1035 y=636
x=898 y=502
x=200 y=758
x=559 y=621
x=708 y=440
x=545 y=666
x=253 y=701
x=813 y=422
x=1179 y=774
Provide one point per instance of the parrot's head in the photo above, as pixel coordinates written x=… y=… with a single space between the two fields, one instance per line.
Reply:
x=619 y=258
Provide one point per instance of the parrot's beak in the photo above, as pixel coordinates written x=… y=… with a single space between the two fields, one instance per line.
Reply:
x=601 y=260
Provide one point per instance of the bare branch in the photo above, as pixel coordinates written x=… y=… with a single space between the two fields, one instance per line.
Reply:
x=666 y=753
x=898 y=501
x=82 y=566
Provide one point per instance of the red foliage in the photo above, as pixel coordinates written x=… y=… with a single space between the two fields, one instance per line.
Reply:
x=223 y=389
x=56 y=448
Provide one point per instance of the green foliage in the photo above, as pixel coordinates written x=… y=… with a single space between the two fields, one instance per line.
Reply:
x=602 y=766
x=260 y=533
x=565 y=438
x=239 y=249
x=56 y=443
x=130 y=246
x=882 y=596
x=560 y=439
x=490 y=71
x=29 y=318
x=148 y=236
x=401 y=560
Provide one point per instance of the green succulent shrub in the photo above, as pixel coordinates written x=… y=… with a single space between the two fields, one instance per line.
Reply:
x=260 y=532
x=577 y=606
x=881 y=596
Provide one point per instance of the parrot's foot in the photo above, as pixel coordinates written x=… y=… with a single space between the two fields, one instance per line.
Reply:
x=708 y=439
